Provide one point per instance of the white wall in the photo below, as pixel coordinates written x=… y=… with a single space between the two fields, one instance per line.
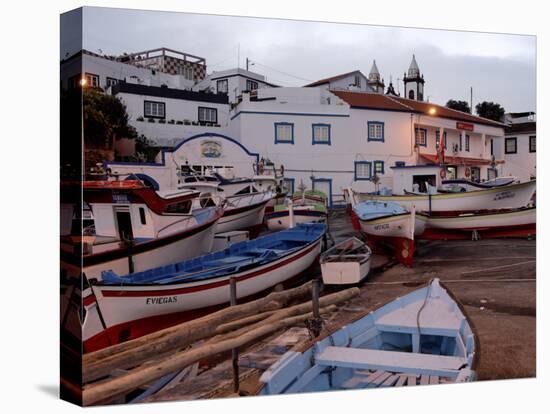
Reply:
x=108 y=68
x=522 y=164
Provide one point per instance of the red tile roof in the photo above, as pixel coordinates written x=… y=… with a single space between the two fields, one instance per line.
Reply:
x=370 y=100
x=332 y=78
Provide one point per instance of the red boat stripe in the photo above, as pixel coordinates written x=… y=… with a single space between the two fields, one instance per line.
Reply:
x=88 y=300
x=177 y=291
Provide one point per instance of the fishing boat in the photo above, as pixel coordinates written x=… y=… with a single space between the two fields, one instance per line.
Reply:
x=120 y=307
x=515 y=222
x=388 y=219
x=130 y=227
x=348 y=262
x=424 y=337
x=462 y=185
x=307 y=207
x=509 y=196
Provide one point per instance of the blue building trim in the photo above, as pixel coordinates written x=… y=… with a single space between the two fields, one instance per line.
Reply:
x=374 y=166
x=425 y=144
x=147 y=179
x=324 y=180
x=313 y=142
x=164 y=151
x=292 y=182
x=355 y=177
x=289 y=113
x=277 y=140
x=369 y=138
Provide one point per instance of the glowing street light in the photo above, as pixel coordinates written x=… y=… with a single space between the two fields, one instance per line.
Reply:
x=83 y=82
x=432 y=111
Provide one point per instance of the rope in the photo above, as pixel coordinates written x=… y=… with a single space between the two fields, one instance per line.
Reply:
x=428 y=290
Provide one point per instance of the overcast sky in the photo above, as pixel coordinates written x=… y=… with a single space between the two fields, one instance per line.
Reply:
x=499 y=67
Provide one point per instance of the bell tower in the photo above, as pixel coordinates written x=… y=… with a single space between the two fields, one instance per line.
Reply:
x=414 y=82
x=375 y=83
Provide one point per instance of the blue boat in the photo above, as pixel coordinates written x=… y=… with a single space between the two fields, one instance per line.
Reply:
x=121 y=302
x=370 y=210
x=421 y=338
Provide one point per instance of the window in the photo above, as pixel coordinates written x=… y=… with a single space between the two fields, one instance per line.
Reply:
x=111 y=81
x=208 y=115
x=182 y=207
x=437 y=139
x=186 y=71
x=358 y=81
x=445 y=139
x=375 y=131
x=533 y=143
x=251 y=85
x=142 y=216
x=378 y=167
x=153 y=109
x=74 y=81
x=92 y=81
x=467 y=142
x=288 y=184
x=511 y=146
x=284 y=133
x=321 y=134
x=222 y=86
x=420 y=136
x=460 y=142
x=363 y=170
x=411 y=94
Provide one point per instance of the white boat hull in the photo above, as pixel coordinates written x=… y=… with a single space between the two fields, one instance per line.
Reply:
x=241 y=221
x=345 y=273
x=484 y=220
x=182 y=249
x=394 y=226
x=120 y=305
x=511 y=196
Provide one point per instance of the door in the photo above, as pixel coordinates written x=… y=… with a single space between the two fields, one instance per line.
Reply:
x=451 y=172
x=476 y=174
x=124 y=223
x=324 y=185
x=491 y=173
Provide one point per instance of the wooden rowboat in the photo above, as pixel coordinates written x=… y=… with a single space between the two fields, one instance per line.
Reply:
x=347 y=262
x=421 y=338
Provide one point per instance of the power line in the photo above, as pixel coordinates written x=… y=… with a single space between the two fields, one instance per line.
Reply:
x=282 y=72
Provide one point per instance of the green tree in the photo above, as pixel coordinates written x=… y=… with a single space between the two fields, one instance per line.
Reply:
x=105 y=120
x=490 y=110
x=459 y=106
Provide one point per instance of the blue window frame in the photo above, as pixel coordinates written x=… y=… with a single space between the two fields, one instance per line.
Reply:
x=289 y=183
x=438 y=139
x=421 y=137
x=320 y=134
x=362 y=170
x=323 y=180
x=378 y=167
x=467 y=142
x=284 y=133
x=375 y=130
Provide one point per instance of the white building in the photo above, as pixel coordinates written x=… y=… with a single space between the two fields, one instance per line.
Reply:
x=156 y=67
x=166 y=116
x=327 y=136
x=233 y=83
x=519 y=147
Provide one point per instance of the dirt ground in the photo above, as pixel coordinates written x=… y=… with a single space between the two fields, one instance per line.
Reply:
x=495 y=281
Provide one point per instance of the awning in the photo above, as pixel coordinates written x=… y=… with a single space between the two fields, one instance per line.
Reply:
x=456 y=160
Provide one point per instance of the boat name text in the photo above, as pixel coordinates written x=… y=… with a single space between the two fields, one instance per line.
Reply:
x=161 y=300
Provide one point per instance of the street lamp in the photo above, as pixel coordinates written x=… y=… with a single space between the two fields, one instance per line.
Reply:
x=432 y=111
x=83 y=82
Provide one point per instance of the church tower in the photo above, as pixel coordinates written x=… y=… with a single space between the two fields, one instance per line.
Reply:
x=374 y=81
x=414 y=82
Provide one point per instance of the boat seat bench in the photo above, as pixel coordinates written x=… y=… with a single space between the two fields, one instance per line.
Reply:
x=393 y=361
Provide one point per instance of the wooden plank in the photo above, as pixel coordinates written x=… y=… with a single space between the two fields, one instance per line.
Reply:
x=424 y=379
x=374 y=375
x=401 y=381
x=411 y=380
x=434 y=379
x=390 y=381
x=380 y=379
x=394 y=361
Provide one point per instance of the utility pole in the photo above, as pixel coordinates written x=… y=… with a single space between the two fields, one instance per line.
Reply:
x=247 y=60
x=471 y=100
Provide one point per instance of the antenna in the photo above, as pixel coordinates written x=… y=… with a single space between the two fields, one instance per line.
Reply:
x=471 y=99
x=238 y=55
